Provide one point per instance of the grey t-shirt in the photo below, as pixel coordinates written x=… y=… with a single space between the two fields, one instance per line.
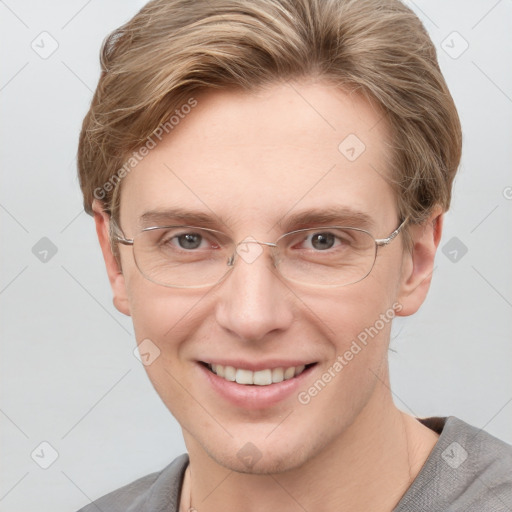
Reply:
x=468 y=470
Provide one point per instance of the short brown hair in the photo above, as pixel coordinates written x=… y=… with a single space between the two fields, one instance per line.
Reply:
x=173 y=49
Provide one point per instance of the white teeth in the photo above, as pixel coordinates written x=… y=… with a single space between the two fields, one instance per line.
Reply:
x=258 y=378
x=263 y=377
x=244 y=377
x=277 y=375
x=229 y=373
x=289 y=373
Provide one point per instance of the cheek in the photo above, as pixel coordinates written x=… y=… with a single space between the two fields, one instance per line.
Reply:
x=349 y=311
x=164 y=320
x=158 y=313
x=357 y=324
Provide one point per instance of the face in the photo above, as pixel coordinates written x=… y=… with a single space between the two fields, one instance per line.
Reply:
x=253 y=163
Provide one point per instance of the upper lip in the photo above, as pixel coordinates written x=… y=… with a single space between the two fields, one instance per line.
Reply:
x=259 y=365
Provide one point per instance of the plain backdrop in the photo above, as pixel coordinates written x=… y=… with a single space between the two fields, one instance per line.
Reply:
x=69 y=376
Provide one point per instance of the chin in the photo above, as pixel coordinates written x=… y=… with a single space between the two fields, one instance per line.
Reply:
x=264 y=456
x=266 y=464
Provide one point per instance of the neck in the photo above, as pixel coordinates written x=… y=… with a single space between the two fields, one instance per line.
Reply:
x=369 y=467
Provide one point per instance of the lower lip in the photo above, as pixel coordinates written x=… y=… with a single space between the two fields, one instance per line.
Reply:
x=253 y=396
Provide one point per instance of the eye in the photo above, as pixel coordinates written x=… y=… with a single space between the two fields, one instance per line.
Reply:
x=189 y=240
x=322 y=241
x=325 y=240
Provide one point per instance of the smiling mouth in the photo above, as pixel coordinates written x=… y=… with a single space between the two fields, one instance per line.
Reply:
x=264 y=377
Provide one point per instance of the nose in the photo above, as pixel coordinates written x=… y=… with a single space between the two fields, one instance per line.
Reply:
x=253 y=301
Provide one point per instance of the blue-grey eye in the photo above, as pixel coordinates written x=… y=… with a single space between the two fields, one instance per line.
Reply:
x=322 y=241
x=190 y=240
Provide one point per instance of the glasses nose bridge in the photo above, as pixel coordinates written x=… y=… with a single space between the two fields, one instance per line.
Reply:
x=269 y=244
x=250 y=240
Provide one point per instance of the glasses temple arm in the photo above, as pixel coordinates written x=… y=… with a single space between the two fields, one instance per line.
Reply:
x=116 y=235
x=386 y=241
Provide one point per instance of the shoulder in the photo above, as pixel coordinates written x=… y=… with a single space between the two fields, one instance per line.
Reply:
x=481 y=466
x=156 y=492
x=468 y=470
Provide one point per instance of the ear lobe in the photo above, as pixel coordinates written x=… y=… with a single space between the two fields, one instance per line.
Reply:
x=115 y=276
x=418 y=264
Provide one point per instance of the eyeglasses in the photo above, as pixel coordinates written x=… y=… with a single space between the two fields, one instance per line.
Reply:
x=193 y=257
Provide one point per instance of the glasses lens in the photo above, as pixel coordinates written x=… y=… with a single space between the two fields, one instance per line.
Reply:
x=331 y=256
x=182 y=256
x=190 y=257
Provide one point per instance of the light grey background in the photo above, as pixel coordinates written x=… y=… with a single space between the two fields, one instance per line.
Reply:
x=69 y=376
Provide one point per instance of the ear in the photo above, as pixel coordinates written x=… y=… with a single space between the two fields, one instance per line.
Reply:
x=115 y=276
x=418 y=262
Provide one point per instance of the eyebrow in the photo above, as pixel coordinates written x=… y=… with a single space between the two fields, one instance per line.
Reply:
x=180 y=216
x=334 y=215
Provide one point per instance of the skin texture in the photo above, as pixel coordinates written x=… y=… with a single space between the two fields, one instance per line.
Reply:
x=250 y=161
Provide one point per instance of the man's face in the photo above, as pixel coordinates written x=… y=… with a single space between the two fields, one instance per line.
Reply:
x=251 y=162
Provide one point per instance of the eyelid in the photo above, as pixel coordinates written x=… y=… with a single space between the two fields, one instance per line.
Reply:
x=334 y=231
x=210 y=235
x=182 y=226
x=214 y=232
x=322 y=228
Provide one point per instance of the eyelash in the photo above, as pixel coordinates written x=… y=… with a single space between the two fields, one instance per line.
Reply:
x=303 y=238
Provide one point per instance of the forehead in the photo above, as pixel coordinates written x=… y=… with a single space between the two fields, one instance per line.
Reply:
x=239 y=156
